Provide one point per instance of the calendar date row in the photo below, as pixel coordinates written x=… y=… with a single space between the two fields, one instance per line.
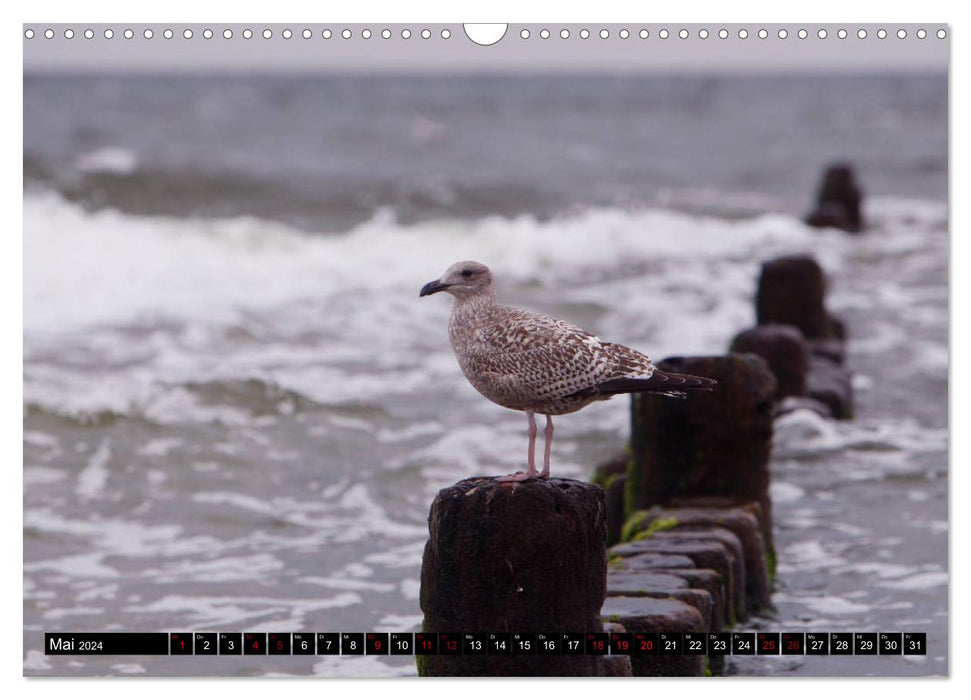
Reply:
x=487 y=643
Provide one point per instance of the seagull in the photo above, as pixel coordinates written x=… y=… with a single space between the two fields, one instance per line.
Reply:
x=529 y=362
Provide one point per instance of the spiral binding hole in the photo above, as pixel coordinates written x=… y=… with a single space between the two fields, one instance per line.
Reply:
x=69 y=33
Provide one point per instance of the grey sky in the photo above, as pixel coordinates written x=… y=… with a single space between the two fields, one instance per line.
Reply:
x=512 y=53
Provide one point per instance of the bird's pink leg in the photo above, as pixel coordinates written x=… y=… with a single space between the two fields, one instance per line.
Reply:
x=531 y=459
x=548 y=434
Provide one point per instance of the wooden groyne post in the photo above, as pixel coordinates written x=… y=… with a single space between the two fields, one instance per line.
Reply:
x=714 y=444
x=514 y=557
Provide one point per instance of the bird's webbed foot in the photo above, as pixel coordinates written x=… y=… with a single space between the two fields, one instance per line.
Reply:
x=518 y=476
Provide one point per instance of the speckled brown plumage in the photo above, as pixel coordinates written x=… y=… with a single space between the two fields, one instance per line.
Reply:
x=529 y=362
x=534 y=363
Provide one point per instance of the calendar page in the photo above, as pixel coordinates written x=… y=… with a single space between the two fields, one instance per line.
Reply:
x=543 y=349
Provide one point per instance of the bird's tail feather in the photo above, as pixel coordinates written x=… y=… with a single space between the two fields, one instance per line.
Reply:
x=663 y=383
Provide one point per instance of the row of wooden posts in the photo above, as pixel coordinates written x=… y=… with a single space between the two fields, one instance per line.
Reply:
x=674 y=535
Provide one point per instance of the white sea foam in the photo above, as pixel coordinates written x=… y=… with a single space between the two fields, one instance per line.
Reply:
x=36 y=660
x=128 y=668
x=79 y=611
x=336 y=317
x=89 y=565
x=917 y=582
x=34 y=475
x=409 y=432
x=807 y=555
x=347 y=584
x=371 y=518
x=93 y=477
x=410 y=588
x=834 y=605
x=356 y=667
x=881 y=570
x=160 y=447
x=399 y=623
x=99 y=592
x=226 y=569
x=402 y=556
x=887 y=443
x=782 y=492
x=83 y=267
x=39 y=439
x=237 y=500
x=114 y=536
x=226 y=611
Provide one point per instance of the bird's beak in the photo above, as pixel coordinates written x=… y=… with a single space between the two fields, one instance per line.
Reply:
x=432 y=287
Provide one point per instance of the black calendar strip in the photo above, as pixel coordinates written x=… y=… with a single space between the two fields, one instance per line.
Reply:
x=486 y=643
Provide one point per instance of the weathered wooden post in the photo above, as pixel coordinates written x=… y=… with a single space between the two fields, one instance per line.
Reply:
x=610 y=476
x=523 y=557
x=839 y=201
x=785 y=350
x=712 y=445
x=792 y=291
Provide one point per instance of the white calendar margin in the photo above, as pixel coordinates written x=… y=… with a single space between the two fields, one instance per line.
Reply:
x=436 y=11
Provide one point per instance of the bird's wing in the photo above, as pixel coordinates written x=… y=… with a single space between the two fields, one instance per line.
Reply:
x=628 y=363
x=513 y=331
x=525 y=335
x=543 y=356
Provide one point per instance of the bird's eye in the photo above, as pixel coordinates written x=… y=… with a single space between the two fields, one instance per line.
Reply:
x=467 y=273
